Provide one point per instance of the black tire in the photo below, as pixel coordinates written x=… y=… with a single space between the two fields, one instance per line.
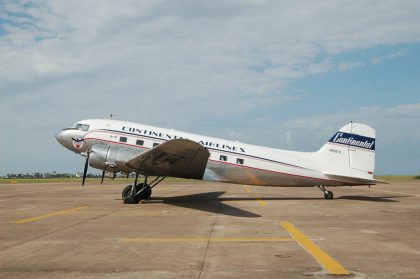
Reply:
x=132 y=200
x=126 y=191
x=146 y=193
x=329 y=195
x=127 y=197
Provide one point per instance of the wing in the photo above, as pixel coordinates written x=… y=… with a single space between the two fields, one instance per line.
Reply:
x=177 y=158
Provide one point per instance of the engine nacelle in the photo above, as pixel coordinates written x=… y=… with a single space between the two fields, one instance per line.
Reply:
x=99 y=156
x=109 y=158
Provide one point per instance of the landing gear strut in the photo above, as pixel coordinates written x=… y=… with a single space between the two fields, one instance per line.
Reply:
x=328 y=195
x=133 y=194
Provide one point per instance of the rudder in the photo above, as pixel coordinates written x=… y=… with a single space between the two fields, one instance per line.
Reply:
x=351 y=151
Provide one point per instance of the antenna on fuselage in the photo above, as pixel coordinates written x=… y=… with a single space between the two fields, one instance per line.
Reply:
x=111 y=116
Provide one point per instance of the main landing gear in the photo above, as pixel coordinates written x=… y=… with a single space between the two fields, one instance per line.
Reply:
x=328 y=195
x=133 y=194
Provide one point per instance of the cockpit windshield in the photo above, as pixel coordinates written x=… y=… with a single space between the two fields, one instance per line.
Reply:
x=82 y=127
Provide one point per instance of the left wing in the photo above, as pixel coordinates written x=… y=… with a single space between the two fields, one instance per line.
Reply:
x=177 y=158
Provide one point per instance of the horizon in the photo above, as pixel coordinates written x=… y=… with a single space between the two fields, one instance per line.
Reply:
x=285 y=75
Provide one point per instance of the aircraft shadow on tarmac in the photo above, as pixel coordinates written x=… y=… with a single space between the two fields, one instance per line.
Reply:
x=209 y=202
x=372 y=199
x=214 y=202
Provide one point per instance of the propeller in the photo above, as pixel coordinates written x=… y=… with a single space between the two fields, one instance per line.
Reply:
x=103 y=175
x=86 y=168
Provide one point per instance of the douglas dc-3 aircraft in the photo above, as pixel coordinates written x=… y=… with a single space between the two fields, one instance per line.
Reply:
x=113 y=146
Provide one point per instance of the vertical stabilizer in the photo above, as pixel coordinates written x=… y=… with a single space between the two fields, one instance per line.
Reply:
x=351 y=151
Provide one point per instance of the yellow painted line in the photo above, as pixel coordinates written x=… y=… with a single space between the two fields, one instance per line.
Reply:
x=203 y=239
x=260 y=201
x=55 y=213
x=323 y=258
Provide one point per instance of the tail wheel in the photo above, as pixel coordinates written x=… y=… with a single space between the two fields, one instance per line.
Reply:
x=328 y=195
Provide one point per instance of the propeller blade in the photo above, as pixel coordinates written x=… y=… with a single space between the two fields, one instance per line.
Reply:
x=103 y=175
x=85 y=170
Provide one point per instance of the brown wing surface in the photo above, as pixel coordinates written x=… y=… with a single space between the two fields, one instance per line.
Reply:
x=177 y=158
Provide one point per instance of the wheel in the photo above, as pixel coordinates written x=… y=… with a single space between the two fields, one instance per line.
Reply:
x=127 y=197
x=126 y=191
x=132 y=200
x=146 y=193
x=329 y=195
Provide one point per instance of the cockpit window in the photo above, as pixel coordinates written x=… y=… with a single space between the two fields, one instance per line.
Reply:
x=82 y=127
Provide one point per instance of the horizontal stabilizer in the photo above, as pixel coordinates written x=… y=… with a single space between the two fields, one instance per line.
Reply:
x=354 y=180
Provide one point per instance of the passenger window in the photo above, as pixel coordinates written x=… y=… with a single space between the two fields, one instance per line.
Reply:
x=223 y=158
x=140 y=142
x=123 y=139
x=155 y=144
x=239 y=161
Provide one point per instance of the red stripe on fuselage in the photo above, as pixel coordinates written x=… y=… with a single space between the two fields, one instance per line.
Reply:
x=213 y=149
x=224 y=162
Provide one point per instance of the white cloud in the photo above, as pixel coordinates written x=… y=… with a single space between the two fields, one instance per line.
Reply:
x=203 y=45
x=398 y=139
x=394 y=55
x=398 y=118
x=154 y=60
x=344 y=66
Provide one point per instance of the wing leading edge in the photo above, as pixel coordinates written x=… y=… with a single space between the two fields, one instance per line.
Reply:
x=177 y=158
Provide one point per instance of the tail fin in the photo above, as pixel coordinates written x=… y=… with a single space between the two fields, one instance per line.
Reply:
x=350 y=152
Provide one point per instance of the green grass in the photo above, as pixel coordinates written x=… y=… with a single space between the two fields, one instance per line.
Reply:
x=79 y=180
x=38 y=180
x=394 y=178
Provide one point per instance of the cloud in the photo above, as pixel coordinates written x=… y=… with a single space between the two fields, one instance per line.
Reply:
x=398 y=139
x=350 y=65
x=151 y=61
x=407 y=115
x=242 y=46
x=394 y=55
x=344 y=66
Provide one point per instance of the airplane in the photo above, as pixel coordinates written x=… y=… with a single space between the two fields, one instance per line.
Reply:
x=114 y=146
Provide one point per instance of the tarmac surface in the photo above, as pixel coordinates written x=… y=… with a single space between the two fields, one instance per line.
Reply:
x=209 y=230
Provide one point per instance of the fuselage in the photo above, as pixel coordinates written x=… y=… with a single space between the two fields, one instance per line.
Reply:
x=229 y=161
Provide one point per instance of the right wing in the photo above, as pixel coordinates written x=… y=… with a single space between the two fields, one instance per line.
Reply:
x=177 y=158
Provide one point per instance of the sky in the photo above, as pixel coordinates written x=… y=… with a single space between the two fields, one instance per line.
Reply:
x=284 y=74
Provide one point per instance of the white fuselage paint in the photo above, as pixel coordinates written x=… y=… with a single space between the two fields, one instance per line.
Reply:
x=229 y=161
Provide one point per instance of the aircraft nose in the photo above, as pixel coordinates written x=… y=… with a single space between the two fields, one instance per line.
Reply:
x=59 y=137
